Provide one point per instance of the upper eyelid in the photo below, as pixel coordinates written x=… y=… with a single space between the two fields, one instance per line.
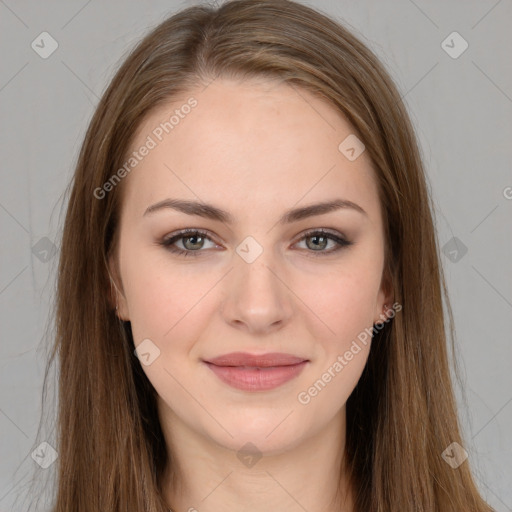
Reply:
x=189 y=232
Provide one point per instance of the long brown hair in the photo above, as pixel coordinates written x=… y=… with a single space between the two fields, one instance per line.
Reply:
x=402 y=413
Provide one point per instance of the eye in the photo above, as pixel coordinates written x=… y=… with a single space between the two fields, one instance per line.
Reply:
x=319 y=240
x=193 y=240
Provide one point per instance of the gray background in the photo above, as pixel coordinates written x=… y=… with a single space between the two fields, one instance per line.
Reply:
x=462 y=110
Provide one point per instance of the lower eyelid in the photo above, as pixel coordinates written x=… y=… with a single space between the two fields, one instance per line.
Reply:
x=169 y=242
x=340 y=242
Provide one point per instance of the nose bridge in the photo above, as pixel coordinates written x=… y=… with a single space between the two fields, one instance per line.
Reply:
x=256 y=295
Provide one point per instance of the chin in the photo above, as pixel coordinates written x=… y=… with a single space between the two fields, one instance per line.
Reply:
x=268 y=435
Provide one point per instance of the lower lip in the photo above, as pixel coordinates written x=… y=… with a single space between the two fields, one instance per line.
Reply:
x=256 y=379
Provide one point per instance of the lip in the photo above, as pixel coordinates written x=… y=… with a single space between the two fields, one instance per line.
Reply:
x=252 y=372
x=256 y=360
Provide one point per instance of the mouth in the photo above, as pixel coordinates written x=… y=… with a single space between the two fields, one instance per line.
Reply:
x=250 y=372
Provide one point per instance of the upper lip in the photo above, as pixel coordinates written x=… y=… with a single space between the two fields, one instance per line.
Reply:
x=255 y=360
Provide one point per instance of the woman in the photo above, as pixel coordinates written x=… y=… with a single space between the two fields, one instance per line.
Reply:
x=250 y=296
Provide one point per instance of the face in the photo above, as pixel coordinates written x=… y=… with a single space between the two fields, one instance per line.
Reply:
x=250 y=279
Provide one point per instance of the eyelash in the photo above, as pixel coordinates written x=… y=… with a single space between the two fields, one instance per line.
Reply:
x=169 y=241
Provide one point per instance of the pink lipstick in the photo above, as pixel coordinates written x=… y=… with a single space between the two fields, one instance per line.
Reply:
x=250 y=372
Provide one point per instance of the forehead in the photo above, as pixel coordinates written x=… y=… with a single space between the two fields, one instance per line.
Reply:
x=255 y=143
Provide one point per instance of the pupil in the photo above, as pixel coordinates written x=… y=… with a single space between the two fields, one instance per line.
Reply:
x=316 y=244
x=194 y=239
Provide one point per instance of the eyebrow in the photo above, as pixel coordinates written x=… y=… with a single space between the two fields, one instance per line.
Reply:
x=212 y=212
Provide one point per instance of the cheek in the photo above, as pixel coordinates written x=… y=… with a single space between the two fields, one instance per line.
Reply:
x=342 y=303
x=162 y=305
x=160 y=296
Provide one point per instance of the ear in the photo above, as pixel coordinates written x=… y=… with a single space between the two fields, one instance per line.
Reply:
x=385 y=299
x=116 y=294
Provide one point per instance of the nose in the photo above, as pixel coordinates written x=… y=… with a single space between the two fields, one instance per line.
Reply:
x=257 y=298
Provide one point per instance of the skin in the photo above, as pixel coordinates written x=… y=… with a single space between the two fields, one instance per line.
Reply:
x=255 y=149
